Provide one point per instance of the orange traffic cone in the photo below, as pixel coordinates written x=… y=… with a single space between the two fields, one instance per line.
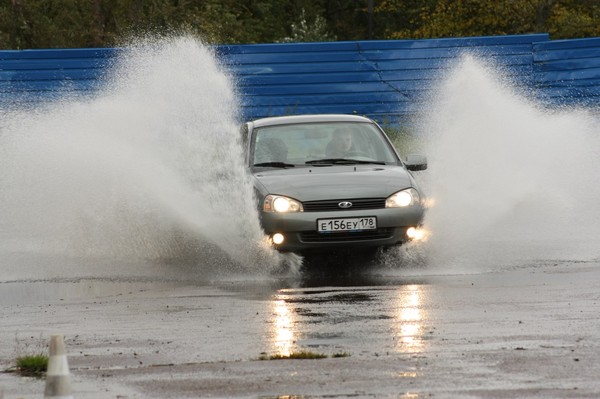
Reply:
x=58 y=379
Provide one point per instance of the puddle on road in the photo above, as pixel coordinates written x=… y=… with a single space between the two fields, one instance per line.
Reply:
x=344 y=298
x=341 y=317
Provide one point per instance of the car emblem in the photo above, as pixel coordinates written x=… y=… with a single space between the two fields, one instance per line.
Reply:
x=345 y=204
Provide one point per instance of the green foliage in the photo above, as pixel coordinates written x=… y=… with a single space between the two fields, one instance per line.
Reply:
x=303 y=31
x=454 y=18
x=106 y=23
x=295 y=355
x=32 y=365
x=577 y=19
x=31 y=359
x=340 y=354
x=302 y=355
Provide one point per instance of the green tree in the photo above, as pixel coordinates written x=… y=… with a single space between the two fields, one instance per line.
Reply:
x=399 y=19
x=39 y=24
x=573 y=19
x=456 y=18
x=347 y=19
x=105 y=23
x=305 y=31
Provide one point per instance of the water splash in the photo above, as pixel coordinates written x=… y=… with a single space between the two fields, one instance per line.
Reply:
x=513 y=182
x=150 y=169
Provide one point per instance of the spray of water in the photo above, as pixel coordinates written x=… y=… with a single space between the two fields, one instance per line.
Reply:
x=513 y=183
x=149 y=170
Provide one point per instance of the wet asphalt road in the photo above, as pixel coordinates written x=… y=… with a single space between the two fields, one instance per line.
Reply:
x=524 y=332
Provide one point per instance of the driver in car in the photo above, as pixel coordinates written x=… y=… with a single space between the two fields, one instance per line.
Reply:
x=340 y=145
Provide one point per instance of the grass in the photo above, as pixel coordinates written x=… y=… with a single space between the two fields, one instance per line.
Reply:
x=32 y=365
x=302 y=355
x=341 y=354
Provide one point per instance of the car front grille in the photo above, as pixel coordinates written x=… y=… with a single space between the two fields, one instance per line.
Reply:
x=333 y=205
x=377 y=234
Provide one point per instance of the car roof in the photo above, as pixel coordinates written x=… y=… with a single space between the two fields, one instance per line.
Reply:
x=286 y=120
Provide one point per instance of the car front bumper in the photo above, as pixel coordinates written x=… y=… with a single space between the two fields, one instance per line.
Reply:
x=300 y=229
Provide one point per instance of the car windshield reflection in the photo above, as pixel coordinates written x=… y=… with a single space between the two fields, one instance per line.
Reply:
x=320 y=143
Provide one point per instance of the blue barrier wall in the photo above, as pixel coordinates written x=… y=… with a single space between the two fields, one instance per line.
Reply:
x=382 y=79
x=386 y=80
x=30 y=76
x=568 y=71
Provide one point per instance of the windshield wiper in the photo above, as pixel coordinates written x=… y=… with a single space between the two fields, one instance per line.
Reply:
x=275 y=164
x=331 y=161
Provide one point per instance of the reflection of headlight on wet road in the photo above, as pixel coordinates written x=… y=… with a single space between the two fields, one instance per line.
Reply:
x=409 y=328
x=410 y=338
x=410 y=314
x=283 y=335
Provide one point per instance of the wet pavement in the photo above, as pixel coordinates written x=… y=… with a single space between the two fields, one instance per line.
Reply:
x=523 y=332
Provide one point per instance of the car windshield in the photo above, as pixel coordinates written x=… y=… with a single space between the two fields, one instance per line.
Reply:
x=324 y=143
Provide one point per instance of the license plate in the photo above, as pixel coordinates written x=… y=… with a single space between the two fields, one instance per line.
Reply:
x=346 y=224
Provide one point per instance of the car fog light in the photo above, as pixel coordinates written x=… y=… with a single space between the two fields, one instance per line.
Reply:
x=414 y=234
x=277 y=238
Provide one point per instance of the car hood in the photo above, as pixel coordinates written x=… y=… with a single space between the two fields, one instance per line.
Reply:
x=334 y=182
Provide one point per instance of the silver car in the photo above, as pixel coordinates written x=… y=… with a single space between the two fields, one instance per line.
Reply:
x=326 y=182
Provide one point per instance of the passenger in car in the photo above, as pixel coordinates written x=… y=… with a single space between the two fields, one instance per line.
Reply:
x=340 y=144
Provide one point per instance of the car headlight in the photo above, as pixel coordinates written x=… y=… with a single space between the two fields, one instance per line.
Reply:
x=403 y=198
x=281 y=204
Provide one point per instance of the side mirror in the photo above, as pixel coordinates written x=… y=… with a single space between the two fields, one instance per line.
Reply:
x=415 y=162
